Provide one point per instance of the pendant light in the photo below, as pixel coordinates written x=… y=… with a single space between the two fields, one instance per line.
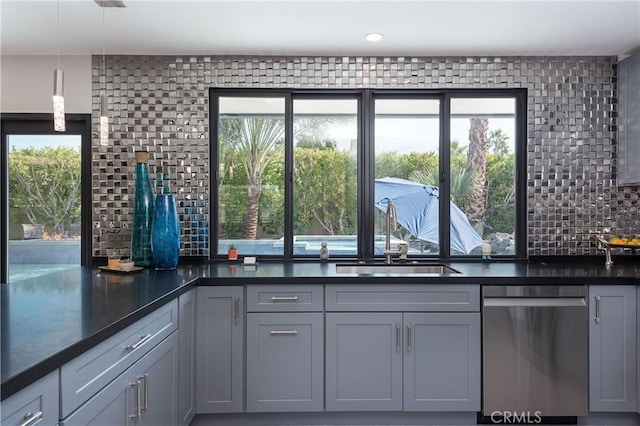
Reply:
x=104 y=110
x=58 y=85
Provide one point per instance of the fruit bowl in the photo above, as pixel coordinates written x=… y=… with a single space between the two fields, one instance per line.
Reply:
x=632 y=243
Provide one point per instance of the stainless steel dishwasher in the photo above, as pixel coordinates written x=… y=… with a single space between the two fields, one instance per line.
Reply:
x=535 y=343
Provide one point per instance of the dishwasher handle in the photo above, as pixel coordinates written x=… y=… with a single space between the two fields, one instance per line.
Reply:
x=534 y=301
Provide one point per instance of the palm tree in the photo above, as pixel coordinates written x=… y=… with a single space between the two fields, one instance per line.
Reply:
x=477 y=161
x=253 y=142
x=461 y=179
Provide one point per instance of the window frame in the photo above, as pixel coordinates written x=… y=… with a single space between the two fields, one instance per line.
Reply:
x=42 y=124
x=366 y=161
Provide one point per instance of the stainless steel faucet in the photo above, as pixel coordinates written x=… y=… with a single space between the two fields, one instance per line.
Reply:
x=392 y=215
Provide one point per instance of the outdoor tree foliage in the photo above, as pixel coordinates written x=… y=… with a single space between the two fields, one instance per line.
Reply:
x=325 y=180
x=45 y=187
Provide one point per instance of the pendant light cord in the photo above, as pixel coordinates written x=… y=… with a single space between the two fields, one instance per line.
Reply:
x=104 y=61
x=58 y=29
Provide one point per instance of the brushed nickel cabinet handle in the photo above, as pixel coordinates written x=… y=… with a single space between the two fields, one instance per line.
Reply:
x=408 y=337
x=29 y=418
x=398 y=345
x=237 y=310
x=137 y=344
x=145 y=379
x=283 y=332
x=284 y=298
x=597 y=317
x=138 y=412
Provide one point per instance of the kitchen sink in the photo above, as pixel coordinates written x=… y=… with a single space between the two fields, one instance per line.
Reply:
x=396 y=268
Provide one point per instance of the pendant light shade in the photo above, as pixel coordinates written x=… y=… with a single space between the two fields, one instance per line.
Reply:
x=104 y=120
x=104 y=104
x=58 y=101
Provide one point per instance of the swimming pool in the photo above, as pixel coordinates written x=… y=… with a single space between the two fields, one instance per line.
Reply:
x=18 y=272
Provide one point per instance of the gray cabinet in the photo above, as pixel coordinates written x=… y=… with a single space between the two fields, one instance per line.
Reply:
x=157 y=372
x=144 y=394
x=442 y=362
x=220 y=349
x=285 y=362
x=629 y=121
x=187 y=357
x=364 y=361
x=85 y=375
x=612 y=348
x=35 y=404
x=412 y=361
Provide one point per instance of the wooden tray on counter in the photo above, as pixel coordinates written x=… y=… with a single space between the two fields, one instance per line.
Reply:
x=120 y=271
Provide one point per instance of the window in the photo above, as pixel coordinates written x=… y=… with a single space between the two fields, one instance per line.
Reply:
x=325 y=176
x=333 y=160
x=44 y=191
x=407 y=167
x=251 y=175
x=482 y=174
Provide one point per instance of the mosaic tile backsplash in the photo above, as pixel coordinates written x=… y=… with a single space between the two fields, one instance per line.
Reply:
x=160 y=103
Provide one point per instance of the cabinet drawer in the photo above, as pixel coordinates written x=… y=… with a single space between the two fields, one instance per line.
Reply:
x=86 y=374
x=284 y=298
x=411 y=297
x=38 y=401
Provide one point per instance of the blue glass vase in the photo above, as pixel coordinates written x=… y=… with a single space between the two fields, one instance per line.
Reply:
x=142 y=213
x=165 y=233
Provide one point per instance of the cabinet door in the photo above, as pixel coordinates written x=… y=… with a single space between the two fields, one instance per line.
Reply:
x=442 y=362
x=36 y=404
x=612 y=348
x=116 y=404
x=363 y=361
x=187 y=357
x=285 y=362
x=629 y=120
x=157 y=371
x=220 y=349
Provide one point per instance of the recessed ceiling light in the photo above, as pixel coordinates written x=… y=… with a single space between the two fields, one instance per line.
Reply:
x=374 y=37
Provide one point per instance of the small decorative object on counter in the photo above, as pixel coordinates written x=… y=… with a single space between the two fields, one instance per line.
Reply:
x=165 y=233
x=142 y=213
x=486 y=250
x=232 y=252
x=114 y=259
x=126 y=265
x=404 y=250
x=324 y=251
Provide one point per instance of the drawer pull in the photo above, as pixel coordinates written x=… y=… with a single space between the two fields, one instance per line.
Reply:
x=137 y=344
x=29 y=418
x=283 y=332
x=597 y=317
x=284 y=298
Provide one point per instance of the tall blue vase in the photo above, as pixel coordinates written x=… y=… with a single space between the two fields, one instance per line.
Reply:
x=142 y=213
x=165 y=233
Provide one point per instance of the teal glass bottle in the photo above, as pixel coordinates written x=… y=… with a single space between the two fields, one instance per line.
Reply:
x=165 y=233
x=143 y=208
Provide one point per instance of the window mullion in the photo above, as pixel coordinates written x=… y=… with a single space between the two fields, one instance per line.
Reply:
x=445 y=174
x=288 y=176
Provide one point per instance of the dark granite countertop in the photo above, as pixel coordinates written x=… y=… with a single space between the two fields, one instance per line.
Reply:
x=49 y=320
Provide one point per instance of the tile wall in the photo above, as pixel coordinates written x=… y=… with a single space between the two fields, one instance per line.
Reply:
x=159 y=103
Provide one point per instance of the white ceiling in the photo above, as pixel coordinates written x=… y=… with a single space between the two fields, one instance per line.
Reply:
x=326 y=27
